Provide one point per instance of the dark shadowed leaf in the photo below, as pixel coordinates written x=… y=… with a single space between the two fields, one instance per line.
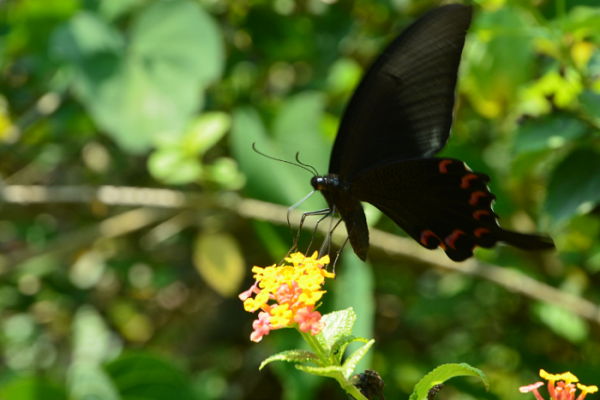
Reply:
x=574 y=186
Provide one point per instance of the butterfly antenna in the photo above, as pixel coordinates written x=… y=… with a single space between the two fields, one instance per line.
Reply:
x=306 y=165
x=278 y=159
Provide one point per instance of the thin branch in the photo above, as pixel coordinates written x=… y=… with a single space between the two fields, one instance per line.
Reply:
x=392 y=245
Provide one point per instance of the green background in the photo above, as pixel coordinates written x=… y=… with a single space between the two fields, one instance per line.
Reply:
x=115 y=294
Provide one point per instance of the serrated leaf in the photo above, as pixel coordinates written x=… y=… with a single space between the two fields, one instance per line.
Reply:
x=292 y=356
x=574 y=187
x=441 y=374
x=331 y=371
x=350 y=363
x=340 y=345
x=337 y=324
x=218 y=259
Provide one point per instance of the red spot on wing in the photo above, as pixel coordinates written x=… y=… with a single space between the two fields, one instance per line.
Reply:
x=451 y=239
x=443 y=165
x=481 y=231
x=466 y=180
x=475 y=197
x=477 y=214
x=426 y=234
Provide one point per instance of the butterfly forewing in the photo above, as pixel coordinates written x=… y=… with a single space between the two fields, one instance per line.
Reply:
x=403 y=107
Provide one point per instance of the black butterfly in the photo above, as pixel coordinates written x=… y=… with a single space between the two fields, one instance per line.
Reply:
x=398 y=118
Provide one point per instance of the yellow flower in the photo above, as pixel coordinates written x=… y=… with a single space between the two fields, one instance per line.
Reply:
x=587 y=389
x=281 y=316
x=293 y=291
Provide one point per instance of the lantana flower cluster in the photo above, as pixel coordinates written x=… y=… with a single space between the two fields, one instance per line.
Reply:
x=287 y=295
x=560 y=387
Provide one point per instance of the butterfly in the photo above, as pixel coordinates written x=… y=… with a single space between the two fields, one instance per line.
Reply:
x=398 y=118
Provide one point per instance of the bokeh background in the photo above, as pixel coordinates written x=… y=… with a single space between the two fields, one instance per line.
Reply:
x=128 y=220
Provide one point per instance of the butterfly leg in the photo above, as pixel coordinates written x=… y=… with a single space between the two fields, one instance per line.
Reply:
x=315 y=230
x=325 y=211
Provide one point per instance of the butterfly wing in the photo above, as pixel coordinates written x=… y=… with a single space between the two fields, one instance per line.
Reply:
x=403 y=107
x=440 y=202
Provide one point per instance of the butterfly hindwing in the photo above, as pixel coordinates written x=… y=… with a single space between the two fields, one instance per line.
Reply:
x=440 y=203
x=403 y=106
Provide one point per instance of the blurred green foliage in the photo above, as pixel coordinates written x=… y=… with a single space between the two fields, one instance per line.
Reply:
x=171 y=94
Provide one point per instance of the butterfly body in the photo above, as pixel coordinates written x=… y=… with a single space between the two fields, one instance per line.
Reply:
x=339 y=197
x=398 y=118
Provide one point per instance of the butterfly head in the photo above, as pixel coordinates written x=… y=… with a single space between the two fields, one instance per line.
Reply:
x=323 y=182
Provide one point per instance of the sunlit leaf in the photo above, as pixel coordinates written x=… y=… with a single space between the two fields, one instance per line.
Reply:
x=562 y=322
x=218 y=259
x=351 y=362
x=441 y=374
x=92 y=343
x=89 y=380
x=205 y=131
x=337 y=325
x=174 y=167
x=292 y=356
x=574 y=186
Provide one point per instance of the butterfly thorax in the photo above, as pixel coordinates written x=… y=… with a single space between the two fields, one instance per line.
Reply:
x=339 y=198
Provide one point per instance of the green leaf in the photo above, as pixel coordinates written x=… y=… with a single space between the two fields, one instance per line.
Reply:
x=574 y=186
x=441 y=374
x=564 y=323
x=340 y=345
x=92 y=342
x=144 y=376
x=113 y=9
x=354 y=288
x=155 y=86
x=83 y=37
x=218 y=259
x=548 y=133
x=297 y=128
x=292 y=356
x=337 y=325
x=350 y=363
x=205 y=131
x=330 y=372
x=180 y=33
x=31 y=388
x=174 y=167
x=266 y=179
x=87 y=380
x=590 y=103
